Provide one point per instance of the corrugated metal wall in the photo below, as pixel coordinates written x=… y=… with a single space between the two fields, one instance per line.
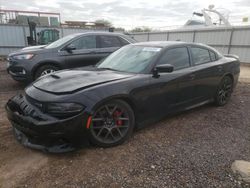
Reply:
x=233 y=40
x=13 y=37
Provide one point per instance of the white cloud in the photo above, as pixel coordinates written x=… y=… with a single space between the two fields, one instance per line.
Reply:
x=131 y=13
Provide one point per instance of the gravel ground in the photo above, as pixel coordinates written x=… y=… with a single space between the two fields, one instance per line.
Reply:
x=191 y=149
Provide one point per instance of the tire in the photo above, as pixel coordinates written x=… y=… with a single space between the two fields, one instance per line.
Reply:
x=224 y=91
x=43 y=69
x=112 y=124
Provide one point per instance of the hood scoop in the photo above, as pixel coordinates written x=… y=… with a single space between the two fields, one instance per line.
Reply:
x=55 y=76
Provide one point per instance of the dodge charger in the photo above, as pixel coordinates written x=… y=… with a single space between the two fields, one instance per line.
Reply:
x=134 y=86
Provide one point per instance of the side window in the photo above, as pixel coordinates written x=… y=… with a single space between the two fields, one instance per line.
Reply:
x=85 y=42
x=178 y=57
x=123 y=41
x=49 y=36
x=200 y=55
x=109 y=41
x=46 y=34
x=212 y=55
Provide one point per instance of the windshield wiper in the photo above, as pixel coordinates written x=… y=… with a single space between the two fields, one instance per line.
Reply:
x=106 y=68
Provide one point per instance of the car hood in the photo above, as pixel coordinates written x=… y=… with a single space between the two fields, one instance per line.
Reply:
x=70 y=81
x=31 y=49
x=34 y=47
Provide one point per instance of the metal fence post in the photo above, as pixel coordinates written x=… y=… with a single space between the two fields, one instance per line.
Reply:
x=62 y=34
x=167 y=36
x=148 y=37
x=230 y=41
x=24 y=36
x=194 y=35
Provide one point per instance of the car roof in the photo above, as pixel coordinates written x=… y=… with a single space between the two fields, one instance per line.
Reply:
x=97 y=32
x=163 y=44
x=160 y=43
x=127 y=37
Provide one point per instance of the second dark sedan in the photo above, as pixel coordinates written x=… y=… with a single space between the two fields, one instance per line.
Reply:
x=134 y=86
x=76 y=50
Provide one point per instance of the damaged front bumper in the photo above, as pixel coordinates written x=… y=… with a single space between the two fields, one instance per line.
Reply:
x=37 y=130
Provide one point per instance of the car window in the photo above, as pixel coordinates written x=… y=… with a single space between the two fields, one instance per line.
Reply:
x=130 y=58
x=178 y=57
x=85 y=42
x=200 y=55
x=123 y=41
x=212 y=56
x=60 y=42
x=109 y=41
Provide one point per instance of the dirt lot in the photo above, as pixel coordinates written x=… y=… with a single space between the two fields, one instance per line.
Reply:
x=192 y=149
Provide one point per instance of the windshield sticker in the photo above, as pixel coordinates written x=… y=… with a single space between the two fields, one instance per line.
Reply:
x=151 y=49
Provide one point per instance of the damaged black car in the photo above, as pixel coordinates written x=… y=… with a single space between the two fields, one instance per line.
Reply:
x=136 y=85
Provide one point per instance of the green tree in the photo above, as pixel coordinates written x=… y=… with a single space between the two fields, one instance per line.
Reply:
x=141 y=29
x=106 y=23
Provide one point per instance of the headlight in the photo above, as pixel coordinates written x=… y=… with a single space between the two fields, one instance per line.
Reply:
x=63 y=109
x=23 y=56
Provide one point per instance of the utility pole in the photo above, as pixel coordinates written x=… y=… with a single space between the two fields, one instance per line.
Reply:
x=0 y=11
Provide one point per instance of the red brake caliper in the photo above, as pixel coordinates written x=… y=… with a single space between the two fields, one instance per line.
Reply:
x=116 y=115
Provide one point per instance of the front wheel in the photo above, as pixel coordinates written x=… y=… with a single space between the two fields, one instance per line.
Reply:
x=112 y=124
x=45 y=70
x=224 y=91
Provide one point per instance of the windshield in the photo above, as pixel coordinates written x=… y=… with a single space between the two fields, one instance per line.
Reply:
x=59 y=42
x=134 y=59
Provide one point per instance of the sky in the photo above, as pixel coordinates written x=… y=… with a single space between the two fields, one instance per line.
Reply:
x=128 y=14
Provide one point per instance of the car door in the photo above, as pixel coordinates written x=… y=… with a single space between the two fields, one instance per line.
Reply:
x=84 y=53
x=207 y=71
x=107 y=44
x=183 y=75
x=165 y=92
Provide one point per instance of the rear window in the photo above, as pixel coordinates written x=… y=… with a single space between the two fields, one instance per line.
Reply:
x=200 y=55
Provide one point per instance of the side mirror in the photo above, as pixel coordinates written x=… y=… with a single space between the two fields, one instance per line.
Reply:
x=164 y=68
x=70 y=47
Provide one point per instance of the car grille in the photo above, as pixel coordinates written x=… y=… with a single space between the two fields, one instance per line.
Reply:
x=20 y=105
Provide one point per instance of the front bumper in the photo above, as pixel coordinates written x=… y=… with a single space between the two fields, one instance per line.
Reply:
x=36 y=130
x=18 y=71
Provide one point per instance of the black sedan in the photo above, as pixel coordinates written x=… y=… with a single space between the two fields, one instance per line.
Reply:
x=134 y=86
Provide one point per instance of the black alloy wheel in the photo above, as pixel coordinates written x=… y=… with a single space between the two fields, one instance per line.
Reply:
x=224 y=91
x=112 y=123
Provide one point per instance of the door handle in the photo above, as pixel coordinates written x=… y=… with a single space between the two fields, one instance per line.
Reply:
x=191 y=76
